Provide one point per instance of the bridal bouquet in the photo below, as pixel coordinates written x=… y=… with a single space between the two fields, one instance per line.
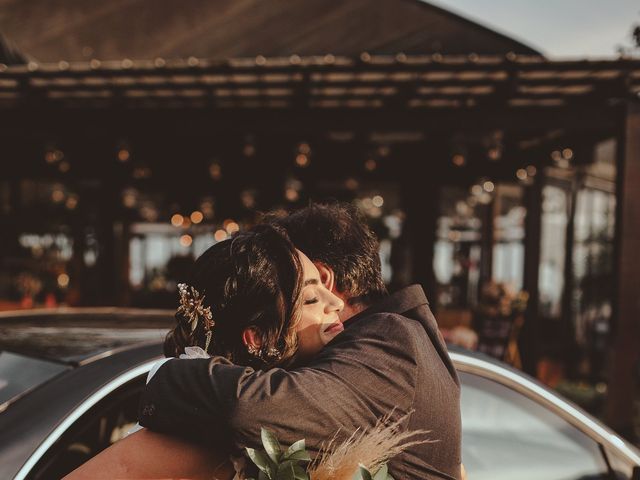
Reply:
x=363 y=456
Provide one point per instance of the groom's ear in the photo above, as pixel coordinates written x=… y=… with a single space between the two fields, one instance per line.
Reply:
x=251 y=338
x=327 y=277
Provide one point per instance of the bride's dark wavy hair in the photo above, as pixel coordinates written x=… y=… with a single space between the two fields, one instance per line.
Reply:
x=252 y=280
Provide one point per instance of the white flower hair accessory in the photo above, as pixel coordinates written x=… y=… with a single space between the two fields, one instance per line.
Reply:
x=193 y=311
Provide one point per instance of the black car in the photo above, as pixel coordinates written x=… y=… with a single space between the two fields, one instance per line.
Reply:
x=70 y=382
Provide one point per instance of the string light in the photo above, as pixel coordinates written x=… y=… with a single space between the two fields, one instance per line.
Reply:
x=53 y=156
x=248 y=199
x=123 y=155
x=63 y=280
x=141 y=172
x=351 y=183
x=249 y=150
x=494 y=154
x=186 y=240
x=521 y=174
x=57 y=195
x=304 y=148
x=197 y=217
x=129 y=198
x=488 y=186
x=291 y=194
x=302 y=160
x=458 y=160
x=531 y=170
x=383 y=150
x=72 y=202
x=232 y=227
x=206 y=207
x=485 y=198
x=220 y=235
x=370 y=165
x=215 y=170
x=377 y=201
x=176 y=220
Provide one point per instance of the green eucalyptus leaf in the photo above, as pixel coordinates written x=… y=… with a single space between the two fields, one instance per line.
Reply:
x=260 y=459
x=271 y=445
x=285 y=471
x=263 y=476
x=382 y=473
x=300 y=473
x=300 y=455
x=295 y=447
x=362 y=474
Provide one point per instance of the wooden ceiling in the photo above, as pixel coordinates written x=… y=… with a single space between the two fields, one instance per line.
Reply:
x=75 y=30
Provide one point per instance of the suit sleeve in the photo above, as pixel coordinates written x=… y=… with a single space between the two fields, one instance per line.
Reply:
x=364 y=373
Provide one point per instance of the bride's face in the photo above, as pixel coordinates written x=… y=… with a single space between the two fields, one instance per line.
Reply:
x=319 y=321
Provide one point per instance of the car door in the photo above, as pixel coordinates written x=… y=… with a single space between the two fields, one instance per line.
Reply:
x=507 y=435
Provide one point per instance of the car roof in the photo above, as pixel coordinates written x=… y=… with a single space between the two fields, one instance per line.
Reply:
x=75 y=335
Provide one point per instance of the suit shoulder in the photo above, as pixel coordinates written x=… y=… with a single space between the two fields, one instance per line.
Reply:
x=390 y=325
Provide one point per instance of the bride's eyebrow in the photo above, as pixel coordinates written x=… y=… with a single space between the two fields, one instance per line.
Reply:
x=311 y=281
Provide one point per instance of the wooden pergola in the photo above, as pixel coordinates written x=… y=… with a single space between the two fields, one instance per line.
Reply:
x=371 y=82
x=529 y=98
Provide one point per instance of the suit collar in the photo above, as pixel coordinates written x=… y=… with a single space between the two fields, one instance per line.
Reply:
x=400 y=302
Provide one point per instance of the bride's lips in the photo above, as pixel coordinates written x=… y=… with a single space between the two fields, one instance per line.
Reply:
x=336 y=327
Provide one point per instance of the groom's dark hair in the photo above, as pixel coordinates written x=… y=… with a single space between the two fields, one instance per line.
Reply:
x=337 y=235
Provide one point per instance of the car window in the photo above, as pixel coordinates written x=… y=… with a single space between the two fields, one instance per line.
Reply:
x=507 y=435
x=19 y=374
x=101 y=426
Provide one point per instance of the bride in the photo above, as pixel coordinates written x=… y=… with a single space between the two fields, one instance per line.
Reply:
x=252 y=300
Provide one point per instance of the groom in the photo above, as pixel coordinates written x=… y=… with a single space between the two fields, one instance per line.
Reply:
x=389 y=358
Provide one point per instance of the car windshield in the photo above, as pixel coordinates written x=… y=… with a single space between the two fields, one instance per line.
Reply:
x=20 y=374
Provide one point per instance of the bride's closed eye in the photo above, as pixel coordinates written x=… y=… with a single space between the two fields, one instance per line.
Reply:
x=311 y=301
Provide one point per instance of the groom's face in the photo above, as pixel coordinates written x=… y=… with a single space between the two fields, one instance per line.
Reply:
x=328 y=279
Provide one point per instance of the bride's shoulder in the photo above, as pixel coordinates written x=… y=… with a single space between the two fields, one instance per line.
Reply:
x=156 y=366
x=189 y=353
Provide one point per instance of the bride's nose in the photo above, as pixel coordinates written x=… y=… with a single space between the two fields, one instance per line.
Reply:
x=334 y=303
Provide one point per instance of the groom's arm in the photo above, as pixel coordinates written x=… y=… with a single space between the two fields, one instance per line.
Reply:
x=366 y=372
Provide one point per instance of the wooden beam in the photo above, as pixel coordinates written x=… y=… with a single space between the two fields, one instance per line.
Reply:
x=626 y=334
x=14 y=122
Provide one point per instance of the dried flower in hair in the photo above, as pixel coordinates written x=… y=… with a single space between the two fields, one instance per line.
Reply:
x=193 y=310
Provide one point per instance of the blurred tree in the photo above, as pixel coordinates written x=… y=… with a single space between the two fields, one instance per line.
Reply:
x=634 y=48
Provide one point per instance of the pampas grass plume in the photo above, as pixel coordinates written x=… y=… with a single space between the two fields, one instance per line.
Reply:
x=373 y=448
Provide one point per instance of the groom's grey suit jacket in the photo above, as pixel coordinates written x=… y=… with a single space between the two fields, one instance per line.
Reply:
x=389 y=358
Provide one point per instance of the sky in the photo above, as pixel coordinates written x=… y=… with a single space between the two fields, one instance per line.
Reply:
x=557 y=28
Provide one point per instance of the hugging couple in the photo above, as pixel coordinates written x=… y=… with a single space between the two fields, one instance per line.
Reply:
x=292 y=329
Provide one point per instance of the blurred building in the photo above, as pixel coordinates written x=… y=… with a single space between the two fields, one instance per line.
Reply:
x=134 y=136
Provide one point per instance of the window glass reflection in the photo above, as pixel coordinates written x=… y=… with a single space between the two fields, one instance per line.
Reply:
x=553 y=233
x=507 y=435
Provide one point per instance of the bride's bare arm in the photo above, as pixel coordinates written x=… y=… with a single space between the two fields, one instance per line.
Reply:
x=145 y=454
